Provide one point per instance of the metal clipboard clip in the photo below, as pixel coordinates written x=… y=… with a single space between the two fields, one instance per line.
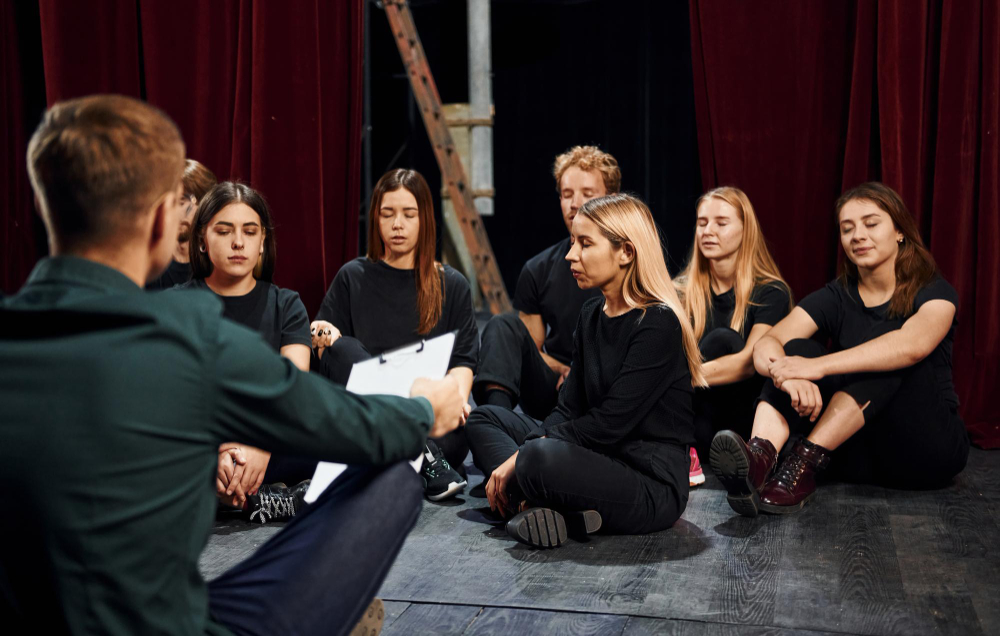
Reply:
x=404 y=351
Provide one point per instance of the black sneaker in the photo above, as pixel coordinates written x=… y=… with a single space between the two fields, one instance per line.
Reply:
x=276 y=502
x=440 y=479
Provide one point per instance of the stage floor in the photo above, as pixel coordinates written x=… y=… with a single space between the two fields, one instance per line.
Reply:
x=857 y=560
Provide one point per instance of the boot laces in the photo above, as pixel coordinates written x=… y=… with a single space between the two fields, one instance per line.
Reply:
x=273 y=506
x=791 y=470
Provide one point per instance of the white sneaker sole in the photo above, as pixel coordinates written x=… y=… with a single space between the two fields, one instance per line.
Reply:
x=696 y=480
x=454 y=488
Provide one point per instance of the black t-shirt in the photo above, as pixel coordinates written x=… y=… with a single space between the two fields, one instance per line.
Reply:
x=629 y=390
x=377 y=304
x=176 y=274
x=546 y=287
x=277 y=314
x=769 y=303
x=842 y=317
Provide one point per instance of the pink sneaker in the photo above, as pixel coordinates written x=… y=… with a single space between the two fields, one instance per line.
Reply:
x=696 y=476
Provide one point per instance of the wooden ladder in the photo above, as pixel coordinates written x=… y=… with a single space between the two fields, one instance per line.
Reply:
x=452 y=172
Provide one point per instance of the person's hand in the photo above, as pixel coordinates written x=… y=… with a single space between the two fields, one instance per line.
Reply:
x=794 y=368
x=466 y=410
x=253 y=471
x=496 y=486
x=806 y=398
x=230 y=456
x=563 y=374
x=448 y=404
x=323 y=334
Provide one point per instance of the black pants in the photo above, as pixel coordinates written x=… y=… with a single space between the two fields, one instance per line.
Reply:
x=911 y=438
x=562 y=475
x=337 y=363
x=321 y=570
x=508 y=357
x=727 y=406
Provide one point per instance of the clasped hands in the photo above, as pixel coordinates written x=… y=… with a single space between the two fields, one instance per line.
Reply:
x=324 y=334
x=796 y=376
x=240 y=473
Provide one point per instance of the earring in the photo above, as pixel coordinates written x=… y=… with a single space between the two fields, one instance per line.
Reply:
x=900 y=240
x=201 y=248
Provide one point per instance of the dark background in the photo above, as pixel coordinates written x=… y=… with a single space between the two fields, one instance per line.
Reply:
x=564 y=74
x=792 y=101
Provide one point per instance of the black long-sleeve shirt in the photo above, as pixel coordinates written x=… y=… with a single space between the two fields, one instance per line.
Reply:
x=629 y=389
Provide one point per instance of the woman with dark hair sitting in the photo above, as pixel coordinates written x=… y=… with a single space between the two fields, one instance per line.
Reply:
x=613 y=454
x=233 y=255
x=397 y=295
x=733 y=293
x=881 y=407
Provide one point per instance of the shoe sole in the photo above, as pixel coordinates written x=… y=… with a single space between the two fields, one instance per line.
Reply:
x=539 y=528
x=696 y=480
x=785 y=510
x=730 y=465
x=371 y=621
x=454 y=488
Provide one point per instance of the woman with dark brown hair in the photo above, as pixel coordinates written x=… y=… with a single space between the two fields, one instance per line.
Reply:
x=881 y=407
x=396 y=295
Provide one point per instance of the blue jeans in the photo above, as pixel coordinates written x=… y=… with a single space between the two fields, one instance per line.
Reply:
x=322 y=570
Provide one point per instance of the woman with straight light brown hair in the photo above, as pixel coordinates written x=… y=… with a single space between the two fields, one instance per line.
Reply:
x=613 y=453
x=880 y=407
x=396 y=295
x=733 y=294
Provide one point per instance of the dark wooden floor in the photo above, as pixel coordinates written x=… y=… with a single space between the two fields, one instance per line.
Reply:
x=857 y=560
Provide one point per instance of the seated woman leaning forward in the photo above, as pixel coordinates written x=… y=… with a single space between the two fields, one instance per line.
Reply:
x=733 y=294
x=233 y=255
x=396 y=295
x=881 y=408
x=614 y=451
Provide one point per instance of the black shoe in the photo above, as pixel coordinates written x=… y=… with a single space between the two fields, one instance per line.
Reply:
x=440 y=479
x=276 y=502
x=547 y=528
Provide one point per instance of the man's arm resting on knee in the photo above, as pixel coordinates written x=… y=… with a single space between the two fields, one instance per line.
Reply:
x=537 y=330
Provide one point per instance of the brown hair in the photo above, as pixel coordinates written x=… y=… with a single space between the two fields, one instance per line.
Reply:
x=98 y=163
x=198 y=179
x=589 y=158
x=427 y=271
x=219 y=197
x=914 y=267
x=754 y=266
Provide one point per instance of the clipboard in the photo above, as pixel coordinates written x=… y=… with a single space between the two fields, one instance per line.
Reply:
x=390 y=373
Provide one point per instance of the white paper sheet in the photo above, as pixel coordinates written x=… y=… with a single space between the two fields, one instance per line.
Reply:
x=392 y=373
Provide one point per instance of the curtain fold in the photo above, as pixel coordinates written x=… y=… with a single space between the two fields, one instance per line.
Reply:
x=263 y=92
x=832 y=94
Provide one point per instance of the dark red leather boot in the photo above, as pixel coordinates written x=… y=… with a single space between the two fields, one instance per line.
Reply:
x=794 y=483
x=742 y=468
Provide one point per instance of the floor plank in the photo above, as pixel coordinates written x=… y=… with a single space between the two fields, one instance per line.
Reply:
x=432 y=620
x=494 y=621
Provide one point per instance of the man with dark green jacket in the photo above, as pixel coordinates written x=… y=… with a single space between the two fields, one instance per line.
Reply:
x=115 y=402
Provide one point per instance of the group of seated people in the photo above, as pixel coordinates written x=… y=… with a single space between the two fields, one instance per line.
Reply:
x=593 y=401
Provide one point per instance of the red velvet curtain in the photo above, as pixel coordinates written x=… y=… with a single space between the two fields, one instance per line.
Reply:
x=265 y=92
x=797 y=101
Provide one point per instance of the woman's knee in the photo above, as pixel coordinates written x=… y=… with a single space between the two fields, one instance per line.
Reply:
x=536 y=459
x=720 y=342
x=503 y=326
x=804 y=347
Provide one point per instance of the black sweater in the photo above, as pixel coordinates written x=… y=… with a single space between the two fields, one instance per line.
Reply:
x=629 y=392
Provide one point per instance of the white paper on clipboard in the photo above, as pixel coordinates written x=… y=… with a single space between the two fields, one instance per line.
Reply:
x=391 y=373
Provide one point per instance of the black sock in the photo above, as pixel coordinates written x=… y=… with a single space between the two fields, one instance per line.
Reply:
x=500 y=397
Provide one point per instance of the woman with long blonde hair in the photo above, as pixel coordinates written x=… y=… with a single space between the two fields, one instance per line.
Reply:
x=733 y=294
x=613 y=453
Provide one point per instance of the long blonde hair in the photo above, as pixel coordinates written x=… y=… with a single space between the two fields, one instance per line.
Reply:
x=754 y=265
x=625 y=219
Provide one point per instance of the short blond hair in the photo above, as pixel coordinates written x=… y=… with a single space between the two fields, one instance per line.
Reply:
x=590 y=158
x=96 y=163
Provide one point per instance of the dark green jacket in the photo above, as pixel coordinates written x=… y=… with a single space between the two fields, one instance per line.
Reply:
x=113 y=402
